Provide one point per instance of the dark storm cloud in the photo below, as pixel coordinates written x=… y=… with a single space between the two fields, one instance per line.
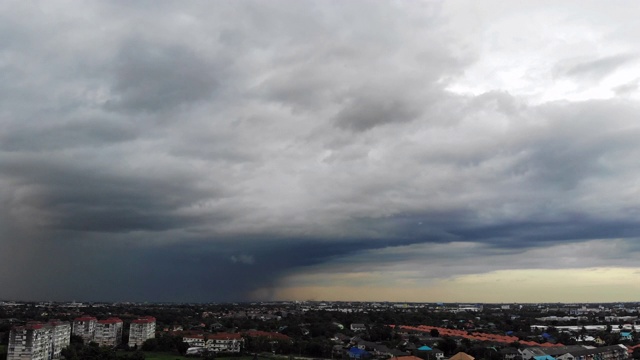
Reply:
x=69 y=134
x=85 y=197
x=219 y=147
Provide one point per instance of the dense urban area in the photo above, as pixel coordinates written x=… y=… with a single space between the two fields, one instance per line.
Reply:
x=319 y=330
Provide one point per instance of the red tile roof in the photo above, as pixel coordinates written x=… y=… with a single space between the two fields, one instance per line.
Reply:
x=270 y=335
x=475 y=336
x=144 y=320
x=112 y=320
x=86 y=318
x=225 y=336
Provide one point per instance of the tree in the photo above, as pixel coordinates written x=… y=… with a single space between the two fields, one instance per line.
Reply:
x=150 y=345
x=434 y=333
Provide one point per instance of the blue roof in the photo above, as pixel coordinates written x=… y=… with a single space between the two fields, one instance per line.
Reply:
x=424 y=348
x=544 y=357
x=357 y=351
x=626 y=333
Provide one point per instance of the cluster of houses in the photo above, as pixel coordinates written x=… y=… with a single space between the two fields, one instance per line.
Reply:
x=220 y=342
x=45 y=341
x=572 y=352
x=529 y=350
x=224 y=342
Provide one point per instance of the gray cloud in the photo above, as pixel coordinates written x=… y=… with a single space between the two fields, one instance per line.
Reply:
x=595 y=69
x=228 y=146
x=156 y=77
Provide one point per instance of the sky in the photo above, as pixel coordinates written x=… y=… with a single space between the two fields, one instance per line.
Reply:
x=233 y=150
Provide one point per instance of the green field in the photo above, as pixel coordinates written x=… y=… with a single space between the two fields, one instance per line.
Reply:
x=149 y=355
x=165 y=356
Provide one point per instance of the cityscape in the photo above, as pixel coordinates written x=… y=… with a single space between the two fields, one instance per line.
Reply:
x=320 y=330
x=319 y=180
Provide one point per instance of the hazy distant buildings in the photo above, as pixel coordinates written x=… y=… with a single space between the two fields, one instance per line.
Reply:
x=37 y=341
x=141 y=330
x=108 y=332
x=85 y=327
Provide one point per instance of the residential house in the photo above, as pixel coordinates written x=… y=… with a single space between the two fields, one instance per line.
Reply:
x=626 y=336
x=197 y=340
x=429 y=353
x=225 y=343
x=510 y=353
x=462 y=356
x=358 y=327
x=357 y=353
x=614 y=352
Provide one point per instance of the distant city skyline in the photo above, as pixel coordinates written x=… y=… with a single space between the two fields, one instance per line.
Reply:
x=219 y=151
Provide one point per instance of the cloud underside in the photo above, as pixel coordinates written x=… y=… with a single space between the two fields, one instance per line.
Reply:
x=240 y=151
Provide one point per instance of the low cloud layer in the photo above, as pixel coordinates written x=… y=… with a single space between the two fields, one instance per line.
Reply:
x=224 y=149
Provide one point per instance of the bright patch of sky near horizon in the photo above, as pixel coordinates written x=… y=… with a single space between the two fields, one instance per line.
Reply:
x=387 y=150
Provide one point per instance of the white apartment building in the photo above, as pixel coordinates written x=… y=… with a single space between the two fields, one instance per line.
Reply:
x=85 y=327
x=36 y=341
x=108 y=332
x=60 y=337
x=141 y=330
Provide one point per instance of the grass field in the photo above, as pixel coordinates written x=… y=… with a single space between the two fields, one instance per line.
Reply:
x=165 y=356
x=168 y=356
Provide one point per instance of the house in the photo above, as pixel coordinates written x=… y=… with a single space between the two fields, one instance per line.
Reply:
x=225 y=342
x=357 y=353
x=358 y=327
x=575 y=352
x=462 y=356
x=626 y=336
x=510 y=353
x=544 y=357
x=397 y=353
x=194 y=340
x=428 y=353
